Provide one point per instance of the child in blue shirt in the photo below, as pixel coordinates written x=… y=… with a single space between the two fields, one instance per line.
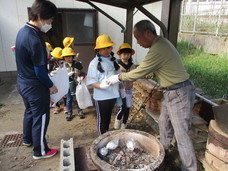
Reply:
x=101 y=67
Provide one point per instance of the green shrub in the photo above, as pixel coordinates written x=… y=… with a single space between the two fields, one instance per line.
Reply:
x=208 y=72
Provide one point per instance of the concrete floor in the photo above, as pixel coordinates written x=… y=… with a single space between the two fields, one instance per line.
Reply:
x=83 y=131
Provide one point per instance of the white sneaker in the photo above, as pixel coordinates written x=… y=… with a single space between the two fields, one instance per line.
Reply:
x=123 y=126
x=117 y=124
x=27 y=144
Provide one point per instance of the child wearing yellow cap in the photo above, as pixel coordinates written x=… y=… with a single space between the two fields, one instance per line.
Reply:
x=67 y=42
x=54 y=64
x=101 y=67
x=55 y=60
x=75 y=70
x=126 y=64
x=49 y=49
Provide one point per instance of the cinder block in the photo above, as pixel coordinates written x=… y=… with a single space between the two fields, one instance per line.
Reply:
x=67 y=155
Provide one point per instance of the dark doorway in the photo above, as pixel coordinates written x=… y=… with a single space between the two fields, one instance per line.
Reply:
x=80 y=24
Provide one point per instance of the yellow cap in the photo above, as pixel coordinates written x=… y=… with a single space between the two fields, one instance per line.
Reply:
x=57 y=53
x=103 y=41
x=48 y=45
x=67 y=41
x=125 y=46
x=67 y=51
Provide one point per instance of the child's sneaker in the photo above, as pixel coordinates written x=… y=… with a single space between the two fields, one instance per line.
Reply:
x=51 y=153
x=69 y=117
x=27 y=144
x=56 y=110
x=123 y=126
x=117 y=123
x=65 y=109
x=81 y=115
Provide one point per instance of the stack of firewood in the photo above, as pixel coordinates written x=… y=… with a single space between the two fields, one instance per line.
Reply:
x=148 y=93
x=154 y=103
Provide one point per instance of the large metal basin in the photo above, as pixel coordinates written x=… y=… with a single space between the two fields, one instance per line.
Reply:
x=145 y=140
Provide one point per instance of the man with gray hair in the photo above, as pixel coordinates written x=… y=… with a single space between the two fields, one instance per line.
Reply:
x=164 y=61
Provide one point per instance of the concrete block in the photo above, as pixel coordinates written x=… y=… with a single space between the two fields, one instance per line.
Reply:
x=67 y=155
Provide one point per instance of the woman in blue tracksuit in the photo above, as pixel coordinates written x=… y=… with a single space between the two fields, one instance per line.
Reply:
x=33 y=82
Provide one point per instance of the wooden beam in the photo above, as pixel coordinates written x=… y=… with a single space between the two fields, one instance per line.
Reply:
x=152 y=17
x=170 y=17
x=129 y=26
x=174 y=19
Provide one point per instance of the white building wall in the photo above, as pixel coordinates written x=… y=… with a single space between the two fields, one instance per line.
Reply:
x=154 y=9
x=107 y=26
x=13 y=16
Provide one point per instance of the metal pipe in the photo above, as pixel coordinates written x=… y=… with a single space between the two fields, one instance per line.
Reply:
x=182 y=14
x=219 y=18
x=104 y=13
x=196 y=16
x=206 y=100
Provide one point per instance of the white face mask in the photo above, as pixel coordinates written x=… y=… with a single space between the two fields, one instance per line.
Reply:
x=46 y=27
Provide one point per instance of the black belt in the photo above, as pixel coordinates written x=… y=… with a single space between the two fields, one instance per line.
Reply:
x=178 y=85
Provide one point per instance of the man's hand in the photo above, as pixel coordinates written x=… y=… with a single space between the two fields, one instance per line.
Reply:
x=104 y=85
x=113 y=79
x=53 y=89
